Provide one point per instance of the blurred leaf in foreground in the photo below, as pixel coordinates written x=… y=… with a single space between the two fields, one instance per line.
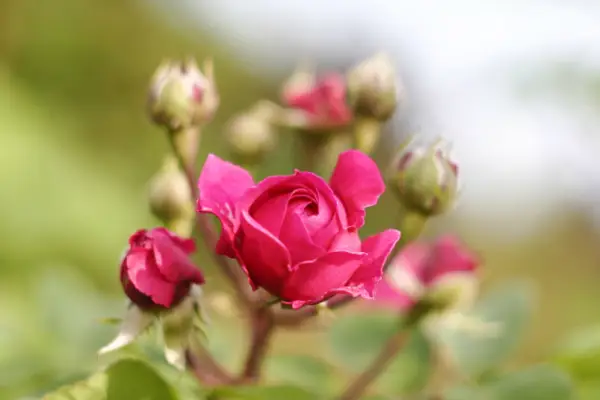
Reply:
x=507 y=309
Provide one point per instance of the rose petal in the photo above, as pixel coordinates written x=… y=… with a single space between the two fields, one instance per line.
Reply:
x=172 y=262
x=388 y=296
x=331 y=217
x=448 y=256
x=313 y=280
x=325 y=199
x=378 y=248
x=271 y=214
x=297 y=240
x=346 y=241
x=358 y=183
x=264 y=257
x=186 y=244
x=146 y=278
x=221 y=185
x=413 y=260
x=264 y=190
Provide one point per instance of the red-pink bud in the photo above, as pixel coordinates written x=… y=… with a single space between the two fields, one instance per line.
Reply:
x=320 y=103
x=442 y=272
x=156 y=271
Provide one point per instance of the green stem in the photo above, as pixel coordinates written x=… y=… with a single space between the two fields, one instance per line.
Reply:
x=367 y=131
x=390 y=350
x=319 y=151
x=411 y=224
x=185 y=143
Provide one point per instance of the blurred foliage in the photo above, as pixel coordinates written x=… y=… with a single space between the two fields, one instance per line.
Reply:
x=76 y=151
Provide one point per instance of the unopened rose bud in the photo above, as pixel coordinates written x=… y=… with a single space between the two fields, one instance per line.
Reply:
x=424 y=179
x=170 y=196
x=251 y=135
x=441 y=273
x=156 y=272
x=301 y=80
x=316 y=104
x=181 y=95
x=163 y=286
x=372 y=88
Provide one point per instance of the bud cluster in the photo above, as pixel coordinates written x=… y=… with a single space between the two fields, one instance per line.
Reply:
x=294 y=237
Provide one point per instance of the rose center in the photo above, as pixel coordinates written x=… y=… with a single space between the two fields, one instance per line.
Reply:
x=311 y=209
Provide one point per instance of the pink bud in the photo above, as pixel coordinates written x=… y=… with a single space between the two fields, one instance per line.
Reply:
x=322 y=102
x=440 y=271
x=156 y=272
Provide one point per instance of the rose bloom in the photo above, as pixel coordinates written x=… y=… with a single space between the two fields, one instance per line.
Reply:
x=324 y=103
x=156 y=271
x=296 y=236
x=422 y=268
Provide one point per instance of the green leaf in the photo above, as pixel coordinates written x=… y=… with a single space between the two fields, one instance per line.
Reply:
x=510 y=308
x=93 y=388
x=131 y=379
x=262 y=393
x=126 y=379
x=580 y=355
x=541 y=382
x=303 y=371
x=110 y=321
x=588 y=391
x=355 y=340
x=409 y=372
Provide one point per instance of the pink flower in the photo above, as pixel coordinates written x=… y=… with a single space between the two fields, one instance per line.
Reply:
x=324 y=103
x=156 y=271
x=296 y=236
x=422 y=267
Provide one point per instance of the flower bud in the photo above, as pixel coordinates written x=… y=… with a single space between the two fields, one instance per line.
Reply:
x=372 y=88
x=302 y=79
x=425 y=179
x=156 y=271
x=251 y=135
x=181 y=95
x=442 y=274
x=163 y=286
x=170 y=196
x=316 y=104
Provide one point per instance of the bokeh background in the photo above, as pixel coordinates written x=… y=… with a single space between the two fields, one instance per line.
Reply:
x=514 y=84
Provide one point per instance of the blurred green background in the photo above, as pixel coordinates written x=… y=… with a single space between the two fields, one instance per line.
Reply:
x=76 y=151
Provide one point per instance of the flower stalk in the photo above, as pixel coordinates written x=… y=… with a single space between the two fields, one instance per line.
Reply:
x=388 y=352
x=367 y=131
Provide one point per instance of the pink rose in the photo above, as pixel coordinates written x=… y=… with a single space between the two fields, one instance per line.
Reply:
x=420 y=267
x=296 y=236
x=324 y=104
x=156 y=271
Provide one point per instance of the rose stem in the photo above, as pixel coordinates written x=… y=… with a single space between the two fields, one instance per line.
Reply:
x=261 y=319
x=263 y=326
x=388 y=352
x=205 y=369
x=185 y=146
